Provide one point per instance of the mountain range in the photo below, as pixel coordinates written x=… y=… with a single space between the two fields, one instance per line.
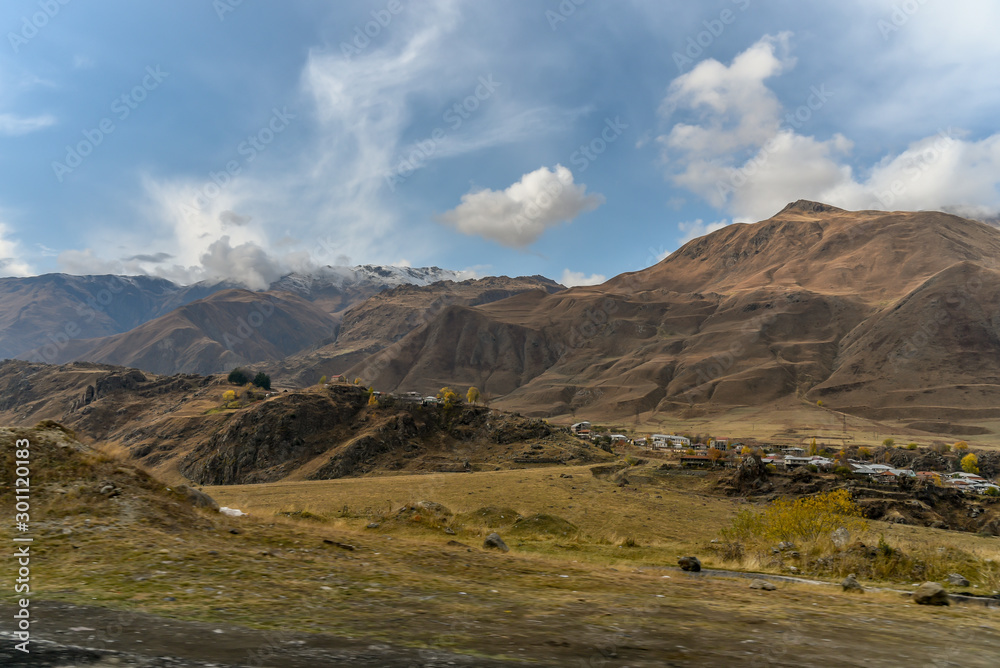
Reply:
x=885 y=315
x=158 y=326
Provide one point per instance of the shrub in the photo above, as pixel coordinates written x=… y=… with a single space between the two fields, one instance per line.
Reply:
x=804 y=520
x=843 y=471
x=884 y=548
x=911 y=446
x=889 y=443
x=864 y=453
x=992 y=491
x=238 y=377
x=813 y=468
x=322 y=380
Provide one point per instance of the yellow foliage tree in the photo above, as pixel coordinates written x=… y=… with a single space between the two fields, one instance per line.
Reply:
x=372 y=399
x=715 y=455
x=357 y=381
x=961 y=446
x=448 y=396
x=472 y=396
x=970 y=463
x=813 y=448
x=322 y=380
x=229 y=396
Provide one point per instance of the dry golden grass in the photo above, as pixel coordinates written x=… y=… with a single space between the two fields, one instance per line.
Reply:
x=680 y=517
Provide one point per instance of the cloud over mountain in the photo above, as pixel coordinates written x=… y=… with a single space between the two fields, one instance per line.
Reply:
x=744 y=153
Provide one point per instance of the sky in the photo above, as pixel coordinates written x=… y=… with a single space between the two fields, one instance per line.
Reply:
x=576 y=139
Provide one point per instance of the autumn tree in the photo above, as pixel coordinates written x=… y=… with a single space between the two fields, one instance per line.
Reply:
x=864 y=453
x=970 y=463
x=961 y=446
x=889 y=443
x=448 y=396
x=813 y=448
x=322 y=380
x=715 y=455
x=229 y=396
x=472 y=396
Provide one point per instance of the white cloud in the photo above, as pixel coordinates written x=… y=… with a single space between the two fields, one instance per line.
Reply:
x=696 y=228
x=517 y=216
x=247 y=263
x=11 y=261
x=21 y=125
x=744 y=155
x=574 y=278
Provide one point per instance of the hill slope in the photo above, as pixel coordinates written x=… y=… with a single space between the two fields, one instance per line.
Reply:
x=178 y=427
x=381 y=320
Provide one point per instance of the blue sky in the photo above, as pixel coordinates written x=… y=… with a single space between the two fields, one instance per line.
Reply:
x=579 y=139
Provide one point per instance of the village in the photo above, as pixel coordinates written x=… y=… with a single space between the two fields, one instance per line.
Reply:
x=691 y=452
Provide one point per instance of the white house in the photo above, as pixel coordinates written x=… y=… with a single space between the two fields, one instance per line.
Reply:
x=668 y=440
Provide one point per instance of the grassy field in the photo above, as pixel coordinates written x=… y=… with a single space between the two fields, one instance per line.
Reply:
x=650 y=521
x=680 y=515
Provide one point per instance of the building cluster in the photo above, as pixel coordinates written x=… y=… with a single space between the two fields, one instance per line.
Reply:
x=787 y=458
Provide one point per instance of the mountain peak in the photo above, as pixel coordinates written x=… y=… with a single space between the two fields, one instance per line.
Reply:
x=807 y=206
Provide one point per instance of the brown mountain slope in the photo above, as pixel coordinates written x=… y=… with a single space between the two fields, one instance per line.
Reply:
x=385 y=318
x=743 y=316
x=211 y=335
x=42 y=312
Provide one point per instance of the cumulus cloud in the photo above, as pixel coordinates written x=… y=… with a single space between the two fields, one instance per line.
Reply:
x=747 y=155
x=11 y=260
x=574 y=278
x=247 y=263
x=518 y=215
x=21 y=125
